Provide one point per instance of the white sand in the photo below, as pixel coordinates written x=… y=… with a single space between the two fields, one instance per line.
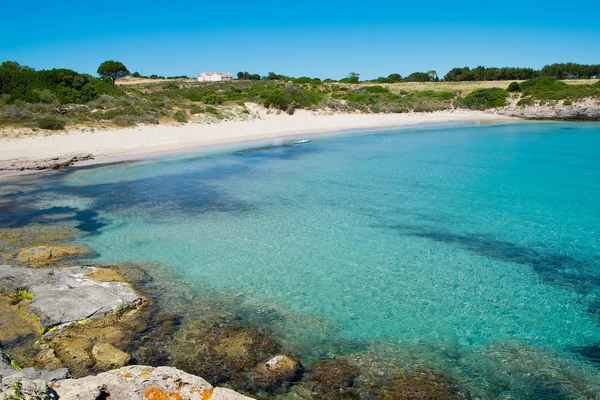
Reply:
x=140 y=141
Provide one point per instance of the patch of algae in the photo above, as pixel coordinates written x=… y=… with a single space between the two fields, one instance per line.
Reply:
x=106 y=275
x=14 y=239
x=42 y=256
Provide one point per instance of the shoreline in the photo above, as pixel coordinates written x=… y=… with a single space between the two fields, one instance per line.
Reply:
x=36 y=153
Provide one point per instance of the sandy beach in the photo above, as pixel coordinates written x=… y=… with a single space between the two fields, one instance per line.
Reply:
x=42 y=152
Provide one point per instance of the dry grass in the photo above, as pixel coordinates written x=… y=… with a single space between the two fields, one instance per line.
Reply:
x=462 y=88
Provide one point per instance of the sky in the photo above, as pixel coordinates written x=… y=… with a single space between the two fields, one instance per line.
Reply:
x=325 y=39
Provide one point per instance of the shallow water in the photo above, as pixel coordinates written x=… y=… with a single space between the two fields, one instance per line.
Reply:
x=475 y=250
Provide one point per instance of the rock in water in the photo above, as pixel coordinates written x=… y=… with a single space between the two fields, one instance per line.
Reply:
x=276 y=371
x=41 y=256
x=108 y=356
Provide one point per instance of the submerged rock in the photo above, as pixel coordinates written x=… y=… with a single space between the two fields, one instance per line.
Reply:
x=425 y=384
x=142 y=382
x=108 y=356
x=276 y=371
x=333 y=374
x=42 y=256
x=220 y=350
x=64 y=295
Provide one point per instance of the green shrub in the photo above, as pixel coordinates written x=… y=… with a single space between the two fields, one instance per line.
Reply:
x=125 y=120
x=514 y=87
x=376 y=89
x=354 y=79
x=543 y=83
x=180 y=116
x=525 y=101
x=482 y=99
x=212 y=98
x=51 y=123
x=193 y=96
x=194 y=109
x=277 y=99
x=431 y=94
x=567 y=103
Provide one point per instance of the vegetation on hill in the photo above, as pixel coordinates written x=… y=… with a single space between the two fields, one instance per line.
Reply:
x=557 y=71
x=59 y=98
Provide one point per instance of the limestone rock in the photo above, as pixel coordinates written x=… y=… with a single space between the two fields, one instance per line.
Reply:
x=108 y=356
x=24 y=388
x=141 y=382
x=65 y=295
x=276 y=371
x=7 y=370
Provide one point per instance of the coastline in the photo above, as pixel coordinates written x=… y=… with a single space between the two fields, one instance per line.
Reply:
x=25 y=154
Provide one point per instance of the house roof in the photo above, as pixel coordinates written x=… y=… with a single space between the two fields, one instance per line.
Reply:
x=214 y=73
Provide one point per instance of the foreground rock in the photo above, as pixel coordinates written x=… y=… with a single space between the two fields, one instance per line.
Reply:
x=133 y=382
x=27 y=383
x=65 y=295
x=141 y=382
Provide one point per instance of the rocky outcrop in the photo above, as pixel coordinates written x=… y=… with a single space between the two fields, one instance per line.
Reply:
x=62 y=296
x=585 y=110
x=27 y=383
x=142 y=382
x=133 y=382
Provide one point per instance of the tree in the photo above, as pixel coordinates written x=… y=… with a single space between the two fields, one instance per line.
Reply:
x=113 y=70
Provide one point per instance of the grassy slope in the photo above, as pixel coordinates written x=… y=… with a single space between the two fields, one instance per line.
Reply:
x=165 y=101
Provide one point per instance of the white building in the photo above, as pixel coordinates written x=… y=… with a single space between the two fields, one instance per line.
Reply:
x=214 y=77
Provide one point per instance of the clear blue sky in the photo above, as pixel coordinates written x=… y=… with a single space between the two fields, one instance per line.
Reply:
x=313 y=38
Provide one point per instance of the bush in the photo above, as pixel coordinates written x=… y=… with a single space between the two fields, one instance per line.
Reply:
x=51 y=123
x=354 y=79
x=567 y=103
x=514 y=87
x=125 y=120
x=376 y=89
x=431 y=94
x=212 y=98
x=180 y=116
x=543 y=83
x=193 y=96
x=194 y=109
x=525 y=101
x=482 y=99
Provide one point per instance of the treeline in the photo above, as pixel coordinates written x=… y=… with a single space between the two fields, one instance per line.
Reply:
x=557 y=71
x=47 y=86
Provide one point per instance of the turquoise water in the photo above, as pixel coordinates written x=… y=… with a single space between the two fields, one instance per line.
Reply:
x=460 y=247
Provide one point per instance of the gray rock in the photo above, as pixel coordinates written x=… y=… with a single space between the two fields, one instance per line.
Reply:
x=8 y=372
x=24 y=388
x=64 y=295
x=141 y=382
x=559 y=112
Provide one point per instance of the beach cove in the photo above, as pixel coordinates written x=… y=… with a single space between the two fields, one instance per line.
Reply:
x=464 y=255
